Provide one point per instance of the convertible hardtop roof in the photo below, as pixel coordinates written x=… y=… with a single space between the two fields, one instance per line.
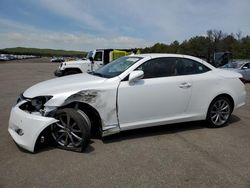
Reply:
x=157 y=55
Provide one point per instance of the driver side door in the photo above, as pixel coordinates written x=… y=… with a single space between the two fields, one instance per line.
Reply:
x=160 y=97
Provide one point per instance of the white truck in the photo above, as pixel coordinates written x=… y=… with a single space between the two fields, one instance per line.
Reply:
x=94 y=60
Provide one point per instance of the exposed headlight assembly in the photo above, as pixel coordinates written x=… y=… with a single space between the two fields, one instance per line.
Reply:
x=36 y=104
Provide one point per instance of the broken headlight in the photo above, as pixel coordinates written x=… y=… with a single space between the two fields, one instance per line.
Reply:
x=36 y=104
x=39 y=102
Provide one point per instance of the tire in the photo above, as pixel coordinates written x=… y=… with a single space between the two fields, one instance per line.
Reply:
x=219 y=112
x=72 y=131
x=70 y=72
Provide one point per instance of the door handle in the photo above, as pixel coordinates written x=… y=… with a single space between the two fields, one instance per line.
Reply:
x=185 y=85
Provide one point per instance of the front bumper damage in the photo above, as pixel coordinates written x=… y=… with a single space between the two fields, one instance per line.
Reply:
x=25 y=127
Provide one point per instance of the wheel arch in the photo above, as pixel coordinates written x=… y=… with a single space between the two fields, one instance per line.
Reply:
x=229 y=97
x=223 y=95
x=90 y=111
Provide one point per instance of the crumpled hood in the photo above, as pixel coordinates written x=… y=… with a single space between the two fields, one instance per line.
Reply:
x=66 y=84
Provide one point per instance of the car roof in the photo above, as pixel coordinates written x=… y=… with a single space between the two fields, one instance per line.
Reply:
x=157 y=55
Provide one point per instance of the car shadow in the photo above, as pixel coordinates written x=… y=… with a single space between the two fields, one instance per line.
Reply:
x=153 y=131
x=49 y=146
x=233 y=119
x=161 y=130
x=136 y=134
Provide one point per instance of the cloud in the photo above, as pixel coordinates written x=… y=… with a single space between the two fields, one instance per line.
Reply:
x=28 y=36
x=92 y=24
x=74 y=9
x=7 y=25
x=158 y=20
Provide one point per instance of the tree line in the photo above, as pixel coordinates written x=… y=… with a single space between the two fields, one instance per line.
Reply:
x=199 y=46
x=43 y=52
x=206 y=46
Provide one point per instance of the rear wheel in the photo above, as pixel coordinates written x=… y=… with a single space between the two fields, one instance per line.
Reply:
x=72 y=131
x=219 y=112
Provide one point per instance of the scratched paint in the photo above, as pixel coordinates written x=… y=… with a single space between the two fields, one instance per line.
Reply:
x=89 y=96
x=104 y=101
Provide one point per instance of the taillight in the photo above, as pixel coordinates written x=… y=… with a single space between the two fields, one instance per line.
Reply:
x=243 y=80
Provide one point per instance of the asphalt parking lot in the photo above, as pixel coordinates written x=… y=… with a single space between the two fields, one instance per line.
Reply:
x=180 y=155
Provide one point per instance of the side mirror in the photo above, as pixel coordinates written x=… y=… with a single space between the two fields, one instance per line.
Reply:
x=244 y=67
x=135 y=76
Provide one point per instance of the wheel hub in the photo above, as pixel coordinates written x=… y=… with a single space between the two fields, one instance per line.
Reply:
x=66 y=132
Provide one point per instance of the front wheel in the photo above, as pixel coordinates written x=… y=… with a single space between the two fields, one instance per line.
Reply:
x=219 y=112
x=72 y=131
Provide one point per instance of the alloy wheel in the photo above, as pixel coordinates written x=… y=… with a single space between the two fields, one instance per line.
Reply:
x=220 y=112
x=66 y=132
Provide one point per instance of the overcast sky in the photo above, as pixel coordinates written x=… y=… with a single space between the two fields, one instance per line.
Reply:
x=85 y=25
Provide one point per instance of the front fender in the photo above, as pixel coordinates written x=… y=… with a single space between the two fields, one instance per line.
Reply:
x=104 y=101
x=102 y=98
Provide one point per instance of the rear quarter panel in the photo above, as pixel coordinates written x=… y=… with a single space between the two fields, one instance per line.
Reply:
x=207 y=86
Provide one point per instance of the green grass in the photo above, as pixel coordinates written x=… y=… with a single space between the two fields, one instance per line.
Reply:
x=42 y=52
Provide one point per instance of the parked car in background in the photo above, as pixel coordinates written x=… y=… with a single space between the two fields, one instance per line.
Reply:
x=57 y=59
x=4 y=57
x=9 y=57
x=242 y=67
x=131 y=92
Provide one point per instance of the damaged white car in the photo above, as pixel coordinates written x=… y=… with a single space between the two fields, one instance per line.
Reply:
x=129 y=93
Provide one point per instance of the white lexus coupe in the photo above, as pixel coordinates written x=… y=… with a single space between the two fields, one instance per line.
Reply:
x=131 y=92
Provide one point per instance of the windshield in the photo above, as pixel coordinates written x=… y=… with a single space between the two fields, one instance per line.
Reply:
x=116 y=67
x=90 y=54
x=234 y=65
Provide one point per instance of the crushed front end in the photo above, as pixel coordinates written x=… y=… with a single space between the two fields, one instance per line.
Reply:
x=27 y=120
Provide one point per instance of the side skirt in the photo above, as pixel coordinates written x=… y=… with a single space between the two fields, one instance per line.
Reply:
x=112 y=129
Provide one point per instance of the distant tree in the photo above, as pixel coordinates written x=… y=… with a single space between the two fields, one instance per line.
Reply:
x=174 y=47
x=239 y=35
x=206 y=46
x=226 y=44
x=241 y=49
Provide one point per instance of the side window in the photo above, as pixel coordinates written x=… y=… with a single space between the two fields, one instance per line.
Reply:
x=188 y=66
x=98 y=56
x=158 y=67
